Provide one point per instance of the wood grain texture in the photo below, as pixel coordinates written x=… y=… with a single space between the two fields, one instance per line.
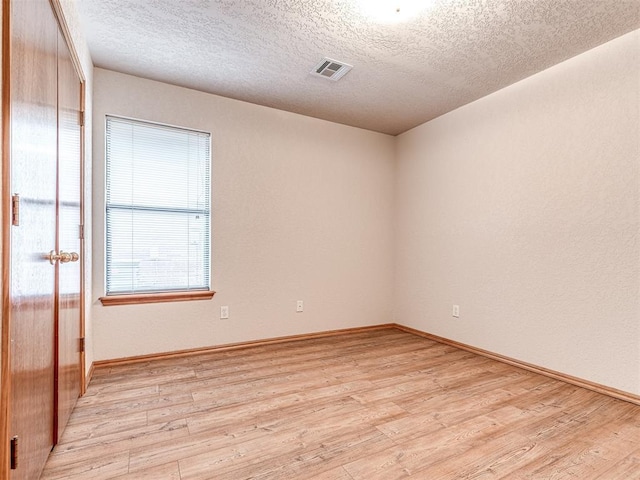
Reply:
x=135 y=299
x=32 y=285
x=233 y=346
x=5 y=373
x=596 y=387
x=378 y=404
x=33 y=100
x=84 y=264
x=68 y=37
x=77 y=64
x=68 y=320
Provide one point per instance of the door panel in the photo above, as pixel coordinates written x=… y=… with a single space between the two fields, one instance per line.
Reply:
x=33 y=166
x=68 y=324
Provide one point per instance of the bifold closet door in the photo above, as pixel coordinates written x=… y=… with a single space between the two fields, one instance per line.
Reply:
x=33 y=162
x=45 y=175
x=68 y=359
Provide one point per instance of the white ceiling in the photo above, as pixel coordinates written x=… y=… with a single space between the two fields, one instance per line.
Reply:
x=405 y=73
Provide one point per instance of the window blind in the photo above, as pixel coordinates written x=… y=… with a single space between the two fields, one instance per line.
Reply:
x=158 y=212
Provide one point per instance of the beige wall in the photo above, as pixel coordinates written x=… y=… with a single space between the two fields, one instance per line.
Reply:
x=523 y=208
x=302 y=210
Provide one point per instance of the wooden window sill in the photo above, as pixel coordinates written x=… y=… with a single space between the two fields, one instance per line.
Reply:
x=135 y=299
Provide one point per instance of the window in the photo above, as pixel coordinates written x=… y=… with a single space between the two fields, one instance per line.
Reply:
x=158 y=212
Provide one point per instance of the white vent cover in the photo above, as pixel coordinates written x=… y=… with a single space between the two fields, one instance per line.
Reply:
x=331 y=69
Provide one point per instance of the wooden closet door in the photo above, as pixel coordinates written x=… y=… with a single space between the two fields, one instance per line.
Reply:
x=68 y=376
x=32 y=107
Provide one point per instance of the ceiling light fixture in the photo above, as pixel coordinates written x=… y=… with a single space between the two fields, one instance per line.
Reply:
x=392 y=11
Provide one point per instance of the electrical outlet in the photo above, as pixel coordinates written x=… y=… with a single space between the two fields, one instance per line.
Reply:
x=299 y=306
x=456 y=311
x=224 y=311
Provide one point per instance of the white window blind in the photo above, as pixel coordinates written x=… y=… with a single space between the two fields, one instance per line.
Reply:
x=158 y=214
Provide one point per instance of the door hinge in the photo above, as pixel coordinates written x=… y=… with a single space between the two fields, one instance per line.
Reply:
x=82 y=345
x=14 y=453
x=15 y=209
x=81 y=232
x=81 y=118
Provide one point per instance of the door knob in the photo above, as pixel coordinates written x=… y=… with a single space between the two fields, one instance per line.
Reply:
x=53 y=257
x=63 y=257
x=66 y=257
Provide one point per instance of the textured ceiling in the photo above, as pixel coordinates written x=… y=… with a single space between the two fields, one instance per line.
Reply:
x=450 y=53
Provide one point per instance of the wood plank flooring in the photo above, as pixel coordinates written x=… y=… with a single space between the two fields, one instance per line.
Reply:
x=365 y=406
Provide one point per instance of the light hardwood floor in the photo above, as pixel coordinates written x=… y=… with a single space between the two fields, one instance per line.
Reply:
x=365 y=406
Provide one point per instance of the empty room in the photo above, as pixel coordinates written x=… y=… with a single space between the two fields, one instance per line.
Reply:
x=320 y=239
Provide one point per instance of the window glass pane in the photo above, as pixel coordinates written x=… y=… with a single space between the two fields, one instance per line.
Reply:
x=158 y=208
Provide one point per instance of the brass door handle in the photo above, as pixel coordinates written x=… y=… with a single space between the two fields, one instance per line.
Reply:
x=66 y=257
x=63 y=257
x=53 y=257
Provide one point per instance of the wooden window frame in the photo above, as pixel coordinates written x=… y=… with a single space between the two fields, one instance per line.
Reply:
x=136 y=299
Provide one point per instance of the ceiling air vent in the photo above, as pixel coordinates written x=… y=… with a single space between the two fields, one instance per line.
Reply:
x=331 y=69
